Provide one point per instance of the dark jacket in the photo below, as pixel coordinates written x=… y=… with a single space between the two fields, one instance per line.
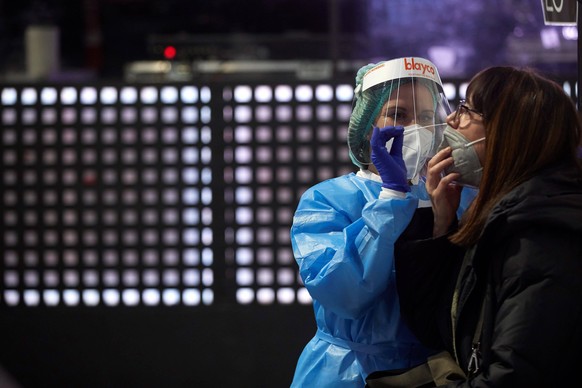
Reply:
x=527 y=266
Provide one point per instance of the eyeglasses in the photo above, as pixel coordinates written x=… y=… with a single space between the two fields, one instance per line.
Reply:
x=463 y=114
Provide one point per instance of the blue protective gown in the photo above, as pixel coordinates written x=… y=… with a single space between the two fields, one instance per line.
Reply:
x=343 y=238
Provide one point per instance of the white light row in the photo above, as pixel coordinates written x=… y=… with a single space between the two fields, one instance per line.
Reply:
x=106 y=95
x=109 y=297
x=270 y=296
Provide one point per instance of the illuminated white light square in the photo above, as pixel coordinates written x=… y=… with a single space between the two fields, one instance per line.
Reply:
x=205 y=94
x=265 y=276
x=91 y=297
x=190 y=135
x=263 y=113
x=91 y=278
x=264 y=256
x=243 y=94
x=190 y=196
x=207 y=256
x=68 y=116
x=31 y=278
x=170 y=156
x=151 y=297
x=190 y=155
x=189 y=94
x=108 y=116
x=130 y=297
x=286 y=276
x=207 y=277
x=149 y=115
x=283 y=113
x=88 y=96
x=149 y=156
x=31 y=297
x=51 y=278
x=151 y=278
x=171 y=297
x=169 y=95
x=71 y=297
x=11 y=279
x=285 y=295
x=171 y=277
x=206 y=197
x=28 y=96
x=243 y=175
x=344 y=92
x=243 y=114
x=206 y=156
x=111 y=297
x=207 y=296
x=9 y=116
x=191 y=277
x=283 y=93
x=169 y=115
x=189 y=115
x=324 y=93
x=9 y=96
x=170 y=196
x=11 y=297
x=48 y=116
x=149 y=95
x=245 y=295
x=266 y=296
x=170 y=237
x=191 y=236
x=264 y=215
x=110 y=278
x=171 y=257
x=191 y=297
x=128 y=95
x=243 y=154
x=191 y=256
x=244 y=277
x=108 y=95
x=51 y=297
x=70 y=278
x=303 y=93
x=191 y=216
x=205 y=135
x=170 y=176
x=324 y=113
x=263 y=93
x=303 y=296
x=128 y=115
x=88 y=116
x=244 y=236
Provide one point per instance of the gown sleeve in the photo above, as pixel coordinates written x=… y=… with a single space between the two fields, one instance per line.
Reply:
x=343 y=241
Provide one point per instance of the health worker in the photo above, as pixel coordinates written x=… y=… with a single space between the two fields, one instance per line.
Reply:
x=345 y=229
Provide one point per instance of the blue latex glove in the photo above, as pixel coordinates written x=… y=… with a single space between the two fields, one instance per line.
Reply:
x=390 y=165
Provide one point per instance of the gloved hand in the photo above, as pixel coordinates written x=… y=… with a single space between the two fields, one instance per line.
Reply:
x=390 y=165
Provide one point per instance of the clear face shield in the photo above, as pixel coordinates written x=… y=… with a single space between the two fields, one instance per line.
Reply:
x=403 y=92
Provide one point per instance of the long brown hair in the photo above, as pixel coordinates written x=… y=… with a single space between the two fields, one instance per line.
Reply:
x=530 y=123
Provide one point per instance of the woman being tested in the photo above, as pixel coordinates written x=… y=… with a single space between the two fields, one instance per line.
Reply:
x=345 y=228
x=513 y=315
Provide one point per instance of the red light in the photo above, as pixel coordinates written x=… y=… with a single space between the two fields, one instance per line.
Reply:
x=169 y=52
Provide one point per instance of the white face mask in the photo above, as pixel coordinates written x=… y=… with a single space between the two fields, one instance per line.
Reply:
x=465 y=160
x=417 y=148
